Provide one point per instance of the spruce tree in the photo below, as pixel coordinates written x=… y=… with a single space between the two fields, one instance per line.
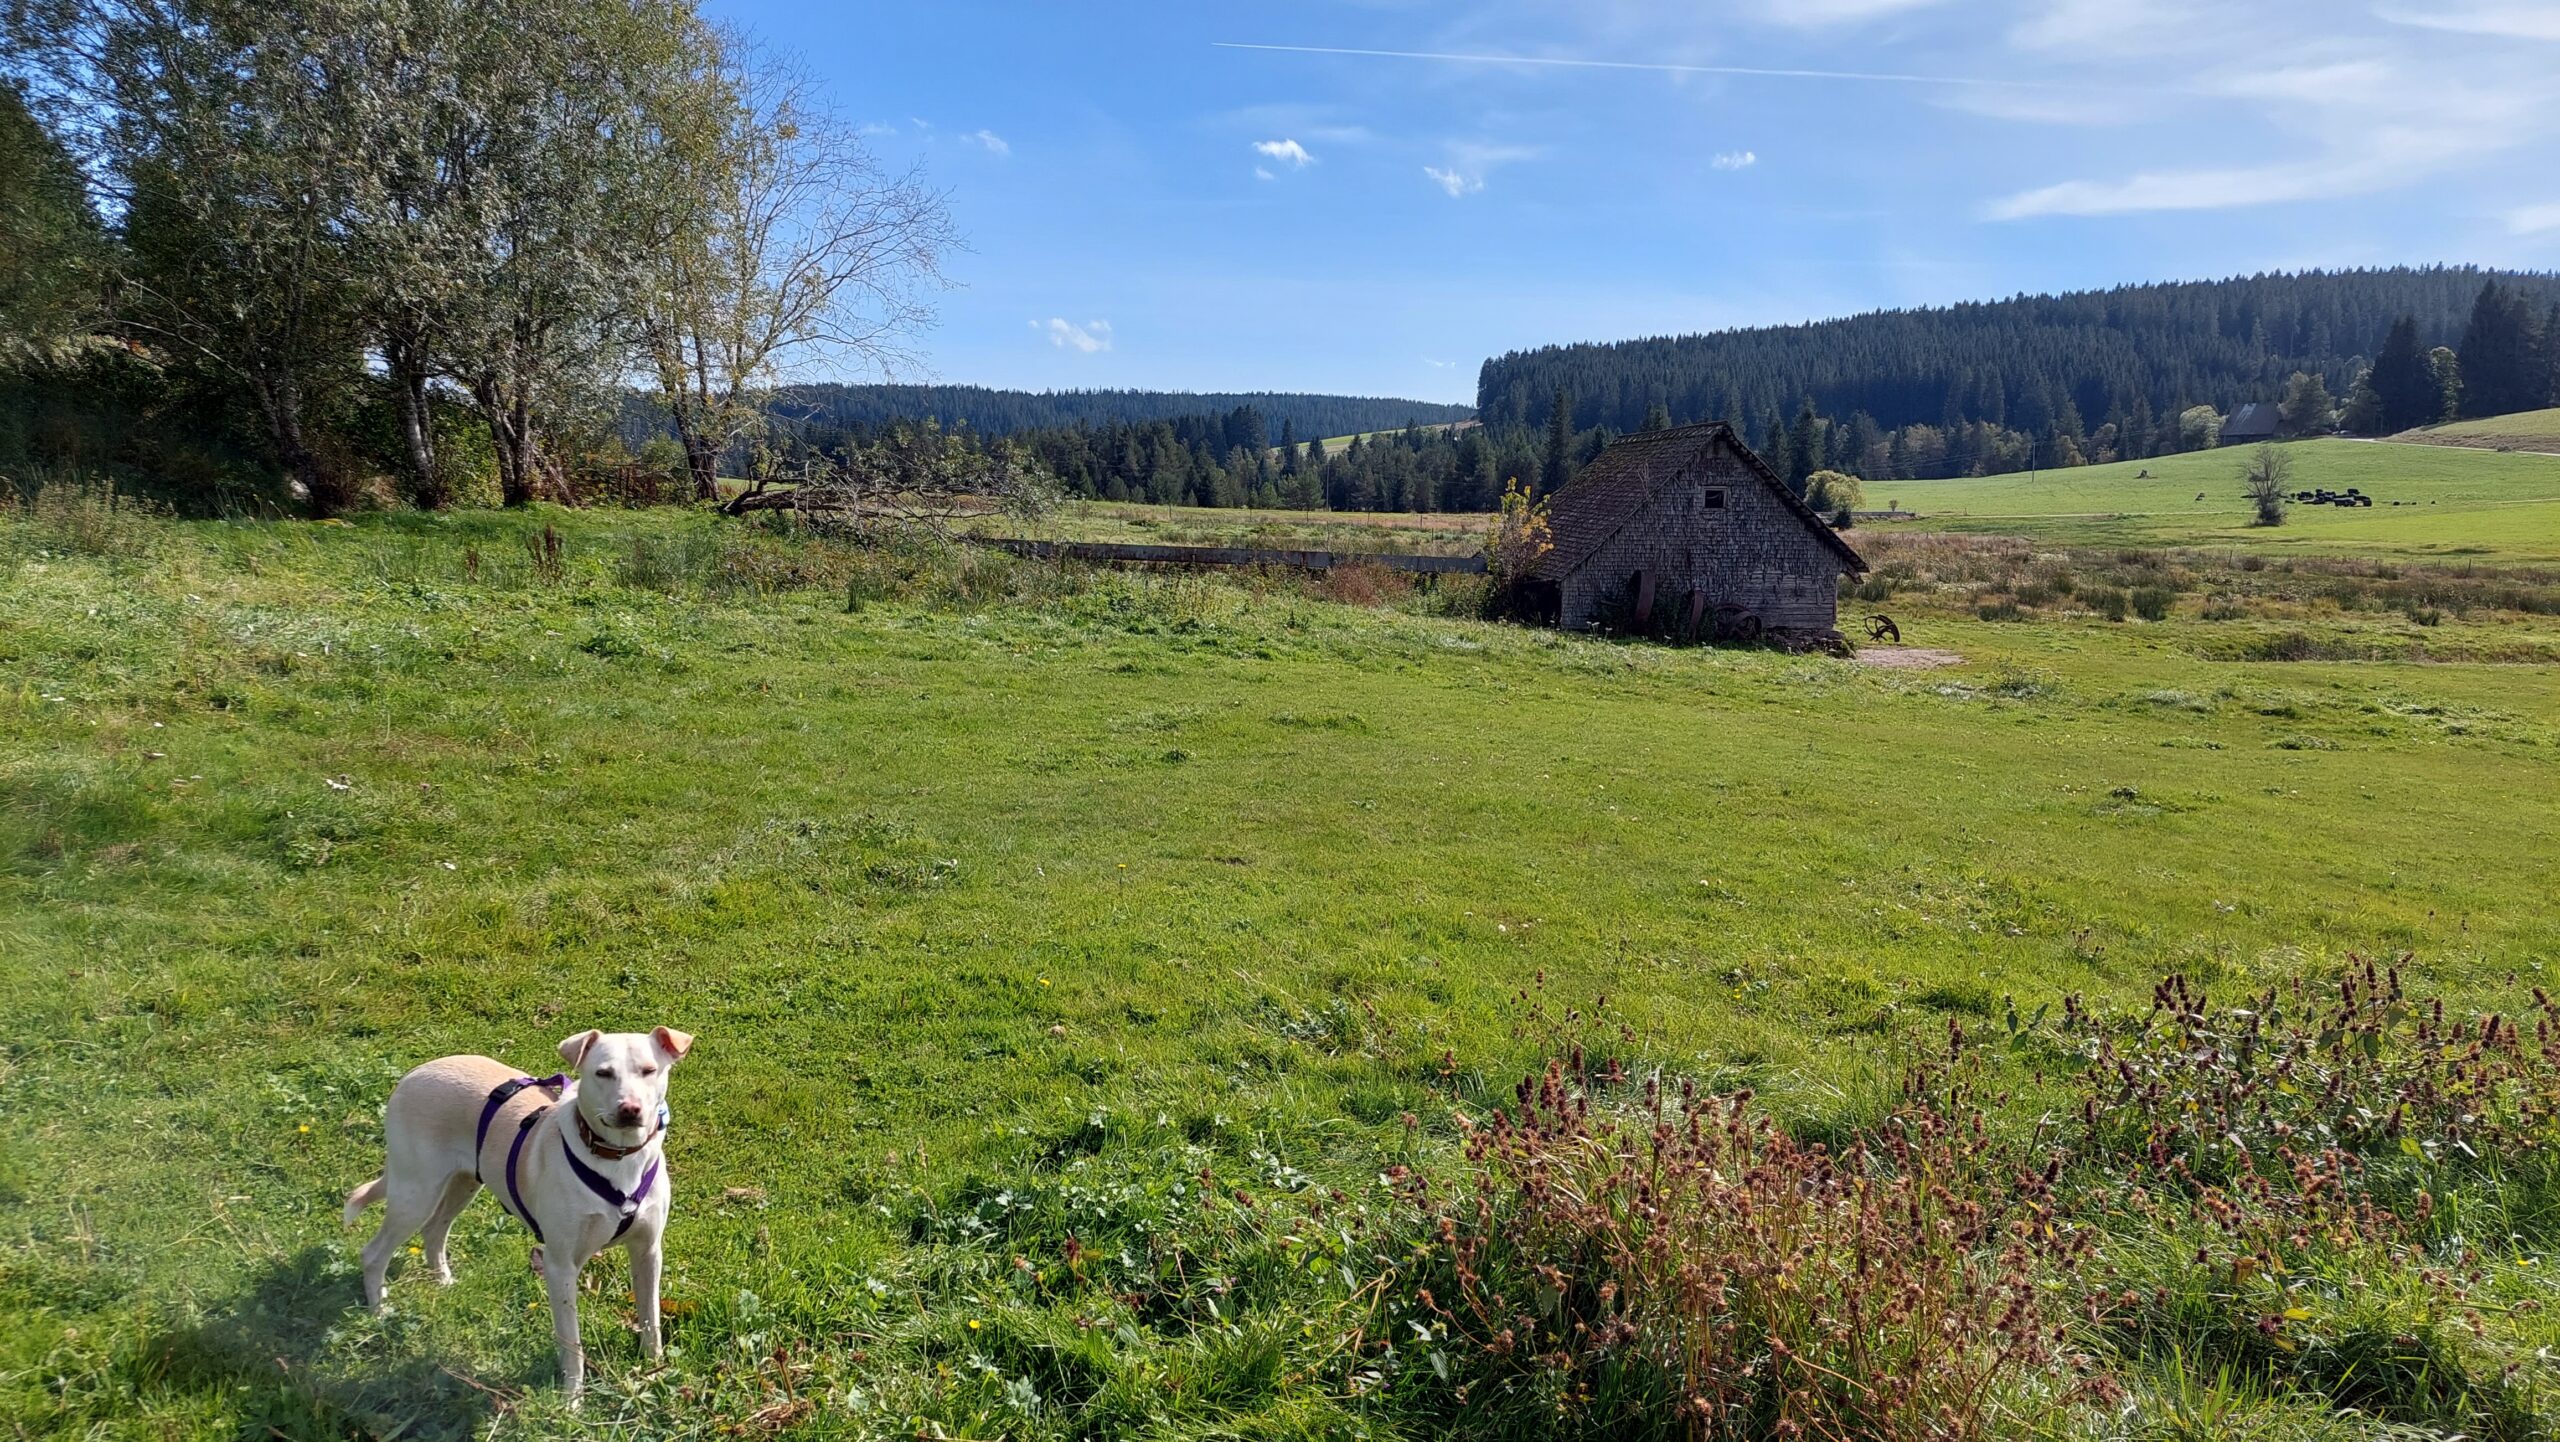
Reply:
x=1657 y=417
x=2550 y=352
x=1559 y=467
x=1773 y=450
x=2500 y=367
x=1804 y=446
x=2405 y=388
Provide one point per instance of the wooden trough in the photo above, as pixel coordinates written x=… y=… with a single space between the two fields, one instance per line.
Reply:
x=1116 y=553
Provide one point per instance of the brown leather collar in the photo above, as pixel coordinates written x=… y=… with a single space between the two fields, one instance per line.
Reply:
x=607 y=1150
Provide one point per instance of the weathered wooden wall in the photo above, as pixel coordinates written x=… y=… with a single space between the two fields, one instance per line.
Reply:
x=1754 y=553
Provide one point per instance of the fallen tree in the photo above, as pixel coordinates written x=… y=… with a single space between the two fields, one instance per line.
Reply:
x=914 y=477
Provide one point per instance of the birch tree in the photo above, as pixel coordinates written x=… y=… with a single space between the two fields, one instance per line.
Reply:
x=804 y=250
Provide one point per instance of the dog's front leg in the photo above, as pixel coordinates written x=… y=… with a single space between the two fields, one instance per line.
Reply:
x=645 y=1260
x=560 y=1279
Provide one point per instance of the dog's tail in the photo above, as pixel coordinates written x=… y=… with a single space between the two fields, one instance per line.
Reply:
x=361 y=1198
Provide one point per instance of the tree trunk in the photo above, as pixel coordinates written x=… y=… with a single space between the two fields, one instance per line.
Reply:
x=405 y=359
x=702 y=458
x=323 y=489
x=511 y=435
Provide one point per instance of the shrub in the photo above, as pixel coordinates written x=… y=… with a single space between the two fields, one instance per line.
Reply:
x=1363 y=584
x=2107 y=601
x=1687 y=1267
x=2152 y=603
x=86 y=516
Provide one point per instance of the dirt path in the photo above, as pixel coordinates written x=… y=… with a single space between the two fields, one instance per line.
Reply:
x=1907 y=658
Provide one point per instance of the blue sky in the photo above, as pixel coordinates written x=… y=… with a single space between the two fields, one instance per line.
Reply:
x=1146 y=204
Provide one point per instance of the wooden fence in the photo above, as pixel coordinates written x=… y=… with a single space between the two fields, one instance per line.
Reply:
x=1115 y=553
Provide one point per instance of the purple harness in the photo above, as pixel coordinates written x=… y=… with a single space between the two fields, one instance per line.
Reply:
x=594 y=1181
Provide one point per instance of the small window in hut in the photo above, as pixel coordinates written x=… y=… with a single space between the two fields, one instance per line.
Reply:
x=1711 y=498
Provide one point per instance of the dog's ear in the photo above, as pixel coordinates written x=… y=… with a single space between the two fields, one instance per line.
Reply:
x=673 y=1042
x=573 y=1050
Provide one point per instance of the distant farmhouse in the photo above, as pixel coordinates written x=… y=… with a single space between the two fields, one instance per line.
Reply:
x=1686 y=531
x=2250 y=424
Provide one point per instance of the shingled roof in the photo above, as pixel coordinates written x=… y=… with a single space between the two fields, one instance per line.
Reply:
x=1624 y=479
x=2255 y=421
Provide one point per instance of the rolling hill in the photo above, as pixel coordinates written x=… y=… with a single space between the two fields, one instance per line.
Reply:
x=1001 y=412
x=2031 y=363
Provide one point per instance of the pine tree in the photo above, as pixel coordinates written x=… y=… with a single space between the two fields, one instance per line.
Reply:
x=1657 y=417
x=2447 y=369
x=1288 y=447
x=2405 y=387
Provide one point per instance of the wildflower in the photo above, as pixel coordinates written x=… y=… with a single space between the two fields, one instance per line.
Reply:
x=973 y=1324
x=304 y=1129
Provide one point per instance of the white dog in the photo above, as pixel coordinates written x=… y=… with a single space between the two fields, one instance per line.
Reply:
x=585 y=1173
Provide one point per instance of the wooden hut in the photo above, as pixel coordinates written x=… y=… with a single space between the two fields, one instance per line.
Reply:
x=1687 y=532
x=2250 y=424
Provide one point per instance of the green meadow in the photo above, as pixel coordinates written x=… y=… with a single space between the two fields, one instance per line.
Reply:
x=2517 y=431
x=2436 y=503
x=1006 y=901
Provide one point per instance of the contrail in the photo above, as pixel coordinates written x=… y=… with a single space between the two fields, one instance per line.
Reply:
x=1869 y=76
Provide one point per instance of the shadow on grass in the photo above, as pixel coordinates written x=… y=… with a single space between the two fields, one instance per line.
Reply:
x=268 y=1354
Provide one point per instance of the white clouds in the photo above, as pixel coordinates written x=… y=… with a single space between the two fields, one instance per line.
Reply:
x=2359 y=110
x=1470 y=161
x=1531 y=63
x=2512 y=19
x=1285 y=152
x=1456 y=182
x=2535 y=220
x=2386 y=156
x=2306 y=84
x=922 y=129
x=1087 y=339
x=1261 y=172
x=2099 y=28
x=1735 y=160
x=2173 y=190
x=1810 y=14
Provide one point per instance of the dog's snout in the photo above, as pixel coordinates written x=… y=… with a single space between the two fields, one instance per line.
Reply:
x=627 y=1114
